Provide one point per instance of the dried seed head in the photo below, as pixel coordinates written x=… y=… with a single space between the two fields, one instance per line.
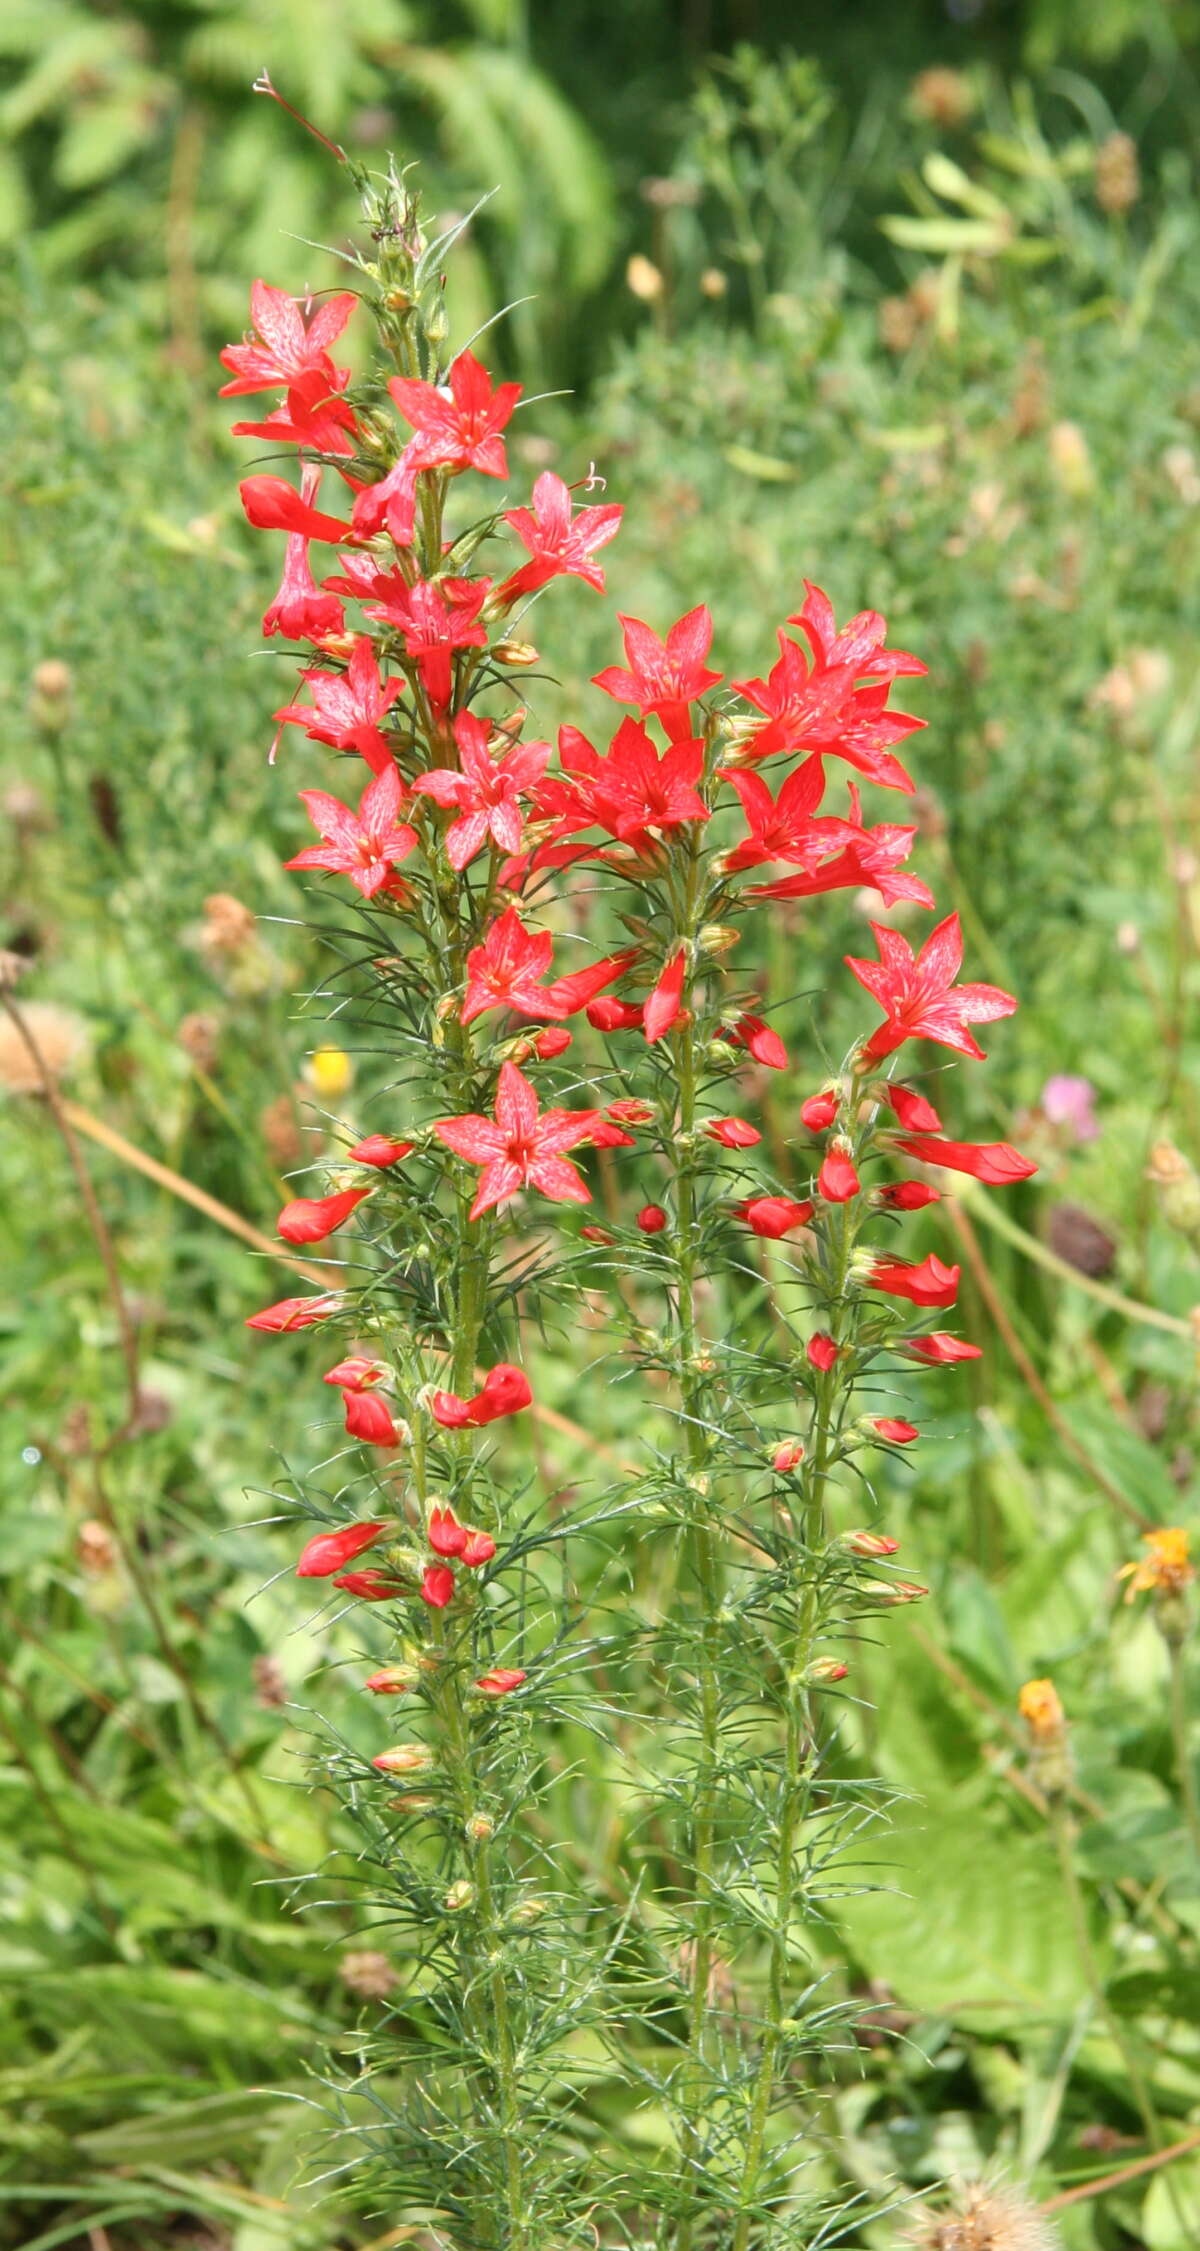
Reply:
x=270 y=1684
x=1118 y=176
x=228 y=926
x=369 y=1975
x=940 y=96
x=198 y=1035
x=95 y=1547
x=60 y=1036
x=982 y=2217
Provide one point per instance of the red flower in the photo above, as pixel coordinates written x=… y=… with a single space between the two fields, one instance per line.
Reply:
x=505 y=972
x=664 y=677
x=300 y=611
x=919 y=996
x=312 y=415
x=773 y=1216
x=612 y=1015
x=759 y=1041
x=996 y=1163
x=435 y=616
x=783 y=828
x=390 y=504
x=505 y=1392
x=869 y=857
x=664 y=1006
x=371 y=1586
x=501 y=1681
x=893 y=1430
x=558 y=543
x=630 y=1110
x=822 y=1351
x=330 y=1550
x=366 y=845
x=519 y=1148
x=632 y=793
x=859 y=644
x=939 y=1349
x=916 y=1115
x=287 y=350
x=369 y=1419
x=458 y=424
x=294 y=1313
x=930 y=1283
x=437 y=1585
x=651 y=1219
x=447 y=1536
x=907 y=1195
x=787 y=1457
x=347 y=708
x=555 y=1040
x=819 y=1112
x=356 y=1373
x=818 y=709
x=733 y=1133
x=837 y=1180
x=487 y=794
x=309 y=1219
x=272 y=504
x=379 y=1152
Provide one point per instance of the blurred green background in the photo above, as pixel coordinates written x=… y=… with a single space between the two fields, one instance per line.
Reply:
x=905 y=301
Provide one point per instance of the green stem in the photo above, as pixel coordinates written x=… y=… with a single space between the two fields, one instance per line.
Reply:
x=1179 y=1733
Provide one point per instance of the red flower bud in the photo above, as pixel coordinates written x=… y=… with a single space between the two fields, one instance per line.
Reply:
x=311 y=1218
x=596 y=1235
x=505 y=1392
x=478 y=1547
x=773 y=1216
x=652 y=1219
x=819 y=1112
x=499 y=1682
x=330 y=1550
x=822 y=1351
x=759 y=1041
x=930 y=1283
x=733 y=1133
x=869 y=1543
x=630 y=1110
x=293 y=1313
x=890 y=1593
x=378 y=1151
x=940 y=1349
x=664 y=1005
x=553 y=1041
x=916 y=1115
x=837 y=1180
x=608 y=1014
x=437 y=1586
x=893 y=1430
x=393 y=1680
x=406 y=1758
x=446 y=1535
x=906 y=1195
x=371 y=1586
x=356 y=1373
x=788 y=1456
x=824 y=1671
x=368 y=1419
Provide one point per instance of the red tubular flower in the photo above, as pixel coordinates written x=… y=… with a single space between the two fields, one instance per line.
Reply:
x=486 y=793
x=787 y=1457
x=664 y=677
x=367 y=845
x=894 y=1430
x=555 y=1040
x=633 y=793
x=819 y=1112
x=505 y=1392
x=822 y=1351
x=356 y=1374
x=651 y=1219
x=664 y=1006
x=930 y=1283
x=630 y=1110
x=330 y=1551
x=347 y=708
x=996 y=1163
x=759 y=1040
x=870 y=857
x=733 y=1133
x=390 y=504
x=446 y=1536
x=507 y=969
x=783 y=828
x=520 y=1148
x=939 y=1349
x=608 y=1014
x=907 y=1195
x=272 y=504
x=458 y=423
x=501 y=1681
x=479 y=1548
x=837 y=1180
x=371 y=1586
x=819 y=709
x=437 y=1585
x=293 y=1313
x=300 y=611
x=368 y=1418
x=918 y=994
x=287 y=349
x=915 y=1114
x=312 y=415
x=560 y=544
x=309 y=1219
x=379 y=1152
x=773 y=1216
x=436 y=617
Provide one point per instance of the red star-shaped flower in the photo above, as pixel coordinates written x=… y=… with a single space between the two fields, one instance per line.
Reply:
x=816 y=709
x=664 y=677
x=507 y=969
x=486 y=792
x=520 y=1148
x=560 y=544
x=366 y=845
x=312 y=415
x=458 y=425
x=347 y=708
x=287 y=348
x=632 y=793
x=436 y=616
x=918 y=995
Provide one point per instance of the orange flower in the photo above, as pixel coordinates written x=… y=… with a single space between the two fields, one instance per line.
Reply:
x=1166 y=1570
x=1039 y=1706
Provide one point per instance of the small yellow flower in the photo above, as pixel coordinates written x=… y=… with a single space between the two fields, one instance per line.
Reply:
x=330 y=1071
x=1167 y=1570
x=1039 y=1706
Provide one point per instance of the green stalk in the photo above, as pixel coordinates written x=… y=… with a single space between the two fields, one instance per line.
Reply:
x=1179 y=1734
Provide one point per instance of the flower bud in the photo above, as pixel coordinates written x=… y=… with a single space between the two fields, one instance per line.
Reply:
x=516 y=654
x=392 y=1680
x=530 y=1911
x=460 y=1895
x=787 y=1457
x=824 y=1671
x=716 y=938
x=869 y=1543
x=890 y=1593
x=405 y=1758
x=651 y=1219
x=479 y=1828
